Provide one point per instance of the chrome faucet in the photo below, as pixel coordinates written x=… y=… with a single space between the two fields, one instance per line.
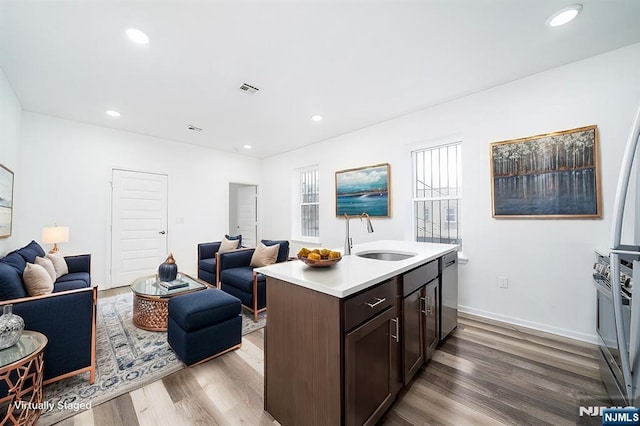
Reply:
x=348 y=243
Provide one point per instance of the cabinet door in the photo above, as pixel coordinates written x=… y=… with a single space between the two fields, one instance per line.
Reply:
x=431 y=333
x=412 y=334
x=371 y=367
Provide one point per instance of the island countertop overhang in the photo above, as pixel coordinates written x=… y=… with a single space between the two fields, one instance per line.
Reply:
x=354 y=273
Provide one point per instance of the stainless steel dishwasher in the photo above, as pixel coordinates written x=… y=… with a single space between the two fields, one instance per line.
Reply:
x=448 y=293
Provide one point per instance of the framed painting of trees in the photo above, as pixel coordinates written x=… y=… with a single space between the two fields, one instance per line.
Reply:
x=550 y=176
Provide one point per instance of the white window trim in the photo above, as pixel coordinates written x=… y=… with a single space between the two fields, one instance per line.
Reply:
x=296 y=203
x=428 y=144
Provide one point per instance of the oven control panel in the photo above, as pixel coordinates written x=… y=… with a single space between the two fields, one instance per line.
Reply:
x=602 y=270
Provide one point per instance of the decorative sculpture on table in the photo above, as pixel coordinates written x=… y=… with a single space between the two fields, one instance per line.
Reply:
x=11 y=327
x=168 y=271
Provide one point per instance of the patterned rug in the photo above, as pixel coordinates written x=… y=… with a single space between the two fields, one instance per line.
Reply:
x=127 y=359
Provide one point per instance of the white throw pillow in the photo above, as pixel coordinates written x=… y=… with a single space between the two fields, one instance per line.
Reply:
x=37 y=280
x=228 y=245
x=59 y=264
x=264 y=255
x=47 y=264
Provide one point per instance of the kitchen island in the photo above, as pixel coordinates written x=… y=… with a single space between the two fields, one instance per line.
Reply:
x=340 y=342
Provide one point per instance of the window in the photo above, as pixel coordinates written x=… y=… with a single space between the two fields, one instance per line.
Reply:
x=451 y=214
x=309 y=203
x=437 y=195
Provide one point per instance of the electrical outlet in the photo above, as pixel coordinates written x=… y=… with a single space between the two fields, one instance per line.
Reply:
x=503 y=282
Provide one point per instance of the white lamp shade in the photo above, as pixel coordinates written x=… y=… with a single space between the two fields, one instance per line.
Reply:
x=55 y=234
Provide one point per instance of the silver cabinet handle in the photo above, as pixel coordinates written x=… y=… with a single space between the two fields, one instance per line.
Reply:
x=397 y=336
x=424 y=308
x=429 y=306
x=377 y=302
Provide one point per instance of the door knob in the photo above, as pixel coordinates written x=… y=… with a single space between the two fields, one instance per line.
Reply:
x=162 y=232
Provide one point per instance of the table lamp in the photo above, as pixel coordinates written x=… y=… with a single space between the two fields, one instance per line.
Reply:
x=54 y=235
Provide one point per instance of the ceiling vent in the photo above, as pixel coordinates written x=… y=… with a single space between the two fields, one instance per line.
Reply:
x=249 y=88
x=194 y=128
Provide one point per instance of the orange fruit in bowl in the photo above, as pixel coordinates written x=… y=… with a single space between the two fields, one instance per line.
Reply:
x=334 y=255
x=314 y=256
x=304 y=252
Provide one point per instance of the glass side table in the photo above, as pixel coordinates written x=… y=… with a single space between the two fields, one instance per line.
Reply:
x=21 y=373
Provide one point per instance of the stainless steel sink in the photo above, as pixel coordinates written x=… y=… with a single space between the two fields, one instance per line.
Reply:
x=385 y=255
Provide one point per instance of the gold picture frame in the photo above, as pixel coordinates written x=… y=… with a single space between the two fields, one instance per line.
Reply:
x=549 y=176
x=364 y=190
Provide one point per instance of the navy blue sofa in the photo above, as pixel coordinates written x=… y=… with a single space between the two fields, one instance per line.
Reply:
x=67 y=316
x=238 y=278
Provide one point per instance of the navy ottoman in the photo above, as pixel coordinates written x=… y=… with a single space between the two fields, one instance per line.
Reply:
x=203 y=325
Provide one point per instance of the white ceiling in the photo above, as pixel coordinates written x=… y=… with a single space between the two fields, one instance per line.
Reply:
x=355 y=62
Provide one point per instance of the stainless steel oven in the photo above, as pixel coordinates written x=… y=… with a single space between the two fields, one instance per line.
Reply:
x=611 y=369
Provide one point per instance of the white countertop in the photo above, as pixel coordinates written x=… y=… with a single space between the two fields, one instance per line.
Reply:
x=354 y=273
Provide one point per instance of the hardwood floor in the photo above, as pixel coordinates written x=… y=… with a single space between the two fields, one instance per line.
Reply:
x=485 y=373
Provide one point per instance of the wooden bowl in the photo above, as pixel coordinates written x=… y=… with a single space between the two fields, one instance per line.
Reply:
x=322 y=263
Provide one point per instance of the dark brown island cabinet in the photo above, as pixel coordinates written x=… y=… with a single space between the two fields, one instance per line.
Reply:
x=342 y=361
x=420 y=307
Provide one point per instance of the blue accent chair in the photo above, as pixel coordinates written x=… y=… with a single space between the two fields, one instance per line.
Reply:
x=207 y=268
x=67 y=316
x=238 y=278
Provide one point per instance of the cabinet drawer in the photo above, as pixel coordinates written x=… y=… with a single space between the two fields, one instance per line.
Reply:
x=413 y=280
x=365 y=305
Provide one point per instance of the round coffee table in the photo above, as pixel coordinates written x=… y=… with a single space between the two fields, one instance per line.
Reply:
x=21 y=371
x=151 y=299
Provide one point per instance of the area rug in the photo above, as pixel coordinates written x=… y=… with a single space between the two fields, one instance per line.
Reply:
x=127 y=359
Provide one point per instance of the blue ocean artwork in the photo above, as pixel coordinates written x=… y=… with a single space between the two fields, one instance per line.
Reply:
x=363 y=191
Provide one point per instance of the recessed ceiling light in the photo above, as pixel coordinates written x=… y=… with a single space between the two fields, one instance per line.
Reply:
x=564 y=15
x=316 y=117
x=246 y=146
x=112 y=113
x=137 y=36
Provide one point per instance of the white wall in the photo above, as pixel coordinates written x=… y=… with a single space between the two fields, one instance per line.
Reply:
x=66 y=171
x=10 y=111
x=548 y=262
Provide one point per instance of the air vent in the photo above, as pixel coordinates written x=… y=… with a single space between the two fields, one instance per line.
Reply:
x=194 y=128
x=249 y=88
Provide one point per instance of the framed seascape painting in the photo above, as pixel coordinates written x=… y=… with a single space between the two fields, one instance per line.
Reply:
x=550 y=176
x=363 y=190
x=6 y=201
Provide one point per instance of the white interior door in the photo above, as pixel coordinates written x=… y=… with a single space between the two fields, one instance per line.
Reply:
x=247 y=211
x=139 y=225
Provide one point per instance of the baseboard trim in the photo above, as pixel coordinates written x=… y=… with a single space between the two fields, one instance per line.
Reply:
x=584 y=337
